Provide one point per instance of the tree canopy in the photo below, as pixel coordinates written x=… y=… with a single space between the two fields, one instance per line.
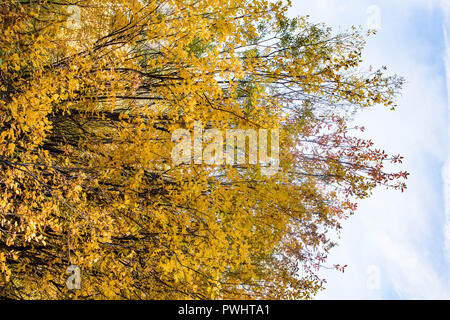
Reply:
x=90 y=94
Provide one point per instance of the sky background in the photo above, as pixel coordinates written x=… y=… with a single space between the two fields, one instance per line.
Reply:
x=398 y=244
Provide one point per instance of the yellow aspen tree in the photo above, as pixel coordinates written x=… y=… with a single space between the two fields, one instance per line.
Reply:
x=90 y=95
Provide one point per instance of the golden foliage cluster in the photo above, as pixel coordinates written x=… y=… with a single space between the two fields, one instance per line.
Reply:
x=90 y=92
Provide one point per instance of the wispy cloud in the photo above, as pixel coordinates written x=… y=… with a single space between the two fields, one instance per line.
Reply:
x=399 y=240
x=446 y=171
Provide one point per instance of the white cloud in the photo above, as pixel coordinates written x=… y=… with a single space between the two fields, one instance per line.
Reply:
x=446 y=171
x=401 y=235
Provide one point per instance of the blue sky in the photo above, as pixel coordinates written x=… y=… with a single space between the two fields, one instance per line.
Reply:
x=398 y=245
